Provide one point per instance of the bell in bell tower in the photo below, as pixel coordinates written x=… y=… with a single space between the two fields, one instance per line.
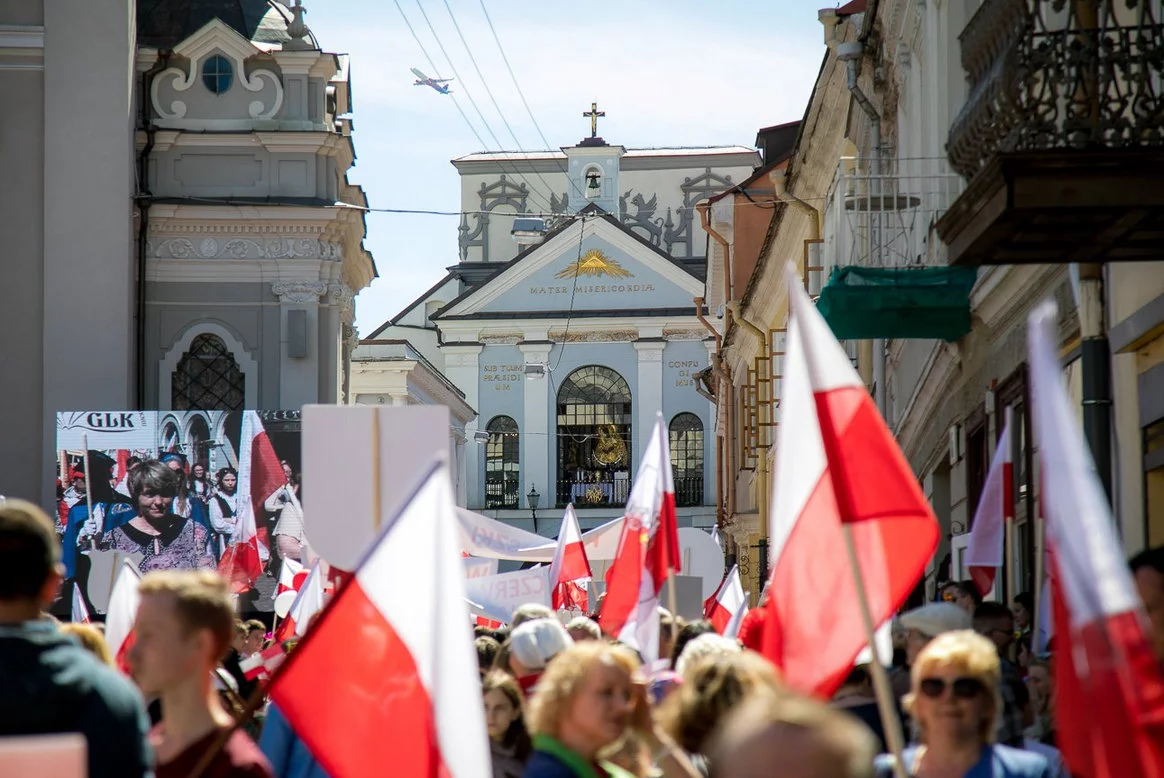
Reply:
x=593 y=168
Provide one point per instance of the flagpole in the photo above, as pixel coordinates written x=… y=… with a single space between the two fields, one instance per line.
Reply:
x=88 y=488
x=671 y=604
x=889 y=718
x=1037 y=594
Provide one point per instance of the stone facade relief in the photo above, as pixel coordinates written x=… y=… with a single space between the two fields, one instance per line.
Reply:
x=244 y=248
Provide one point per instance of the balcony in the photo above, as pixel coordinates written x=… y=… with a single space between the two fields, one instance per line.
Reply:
x=887 y=276
x=1062 y=135
x=594 y=490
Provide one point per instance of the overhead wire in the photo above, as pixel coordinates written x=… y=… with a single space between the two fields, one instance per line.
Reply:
x=465 y=89
x=492 y=99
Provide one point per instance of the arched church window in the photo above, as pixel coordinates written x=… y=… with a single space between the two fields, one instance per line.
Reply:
x=217 y=74
x=502 y=464
x=593 y=182
x=207 y=378
x=686 y=441
x=594 y=438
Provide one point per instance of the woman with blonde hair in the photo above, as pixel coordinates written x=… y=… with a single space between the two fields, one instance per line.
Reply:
x=587 y=700
x=955 y=700
x=91 y=640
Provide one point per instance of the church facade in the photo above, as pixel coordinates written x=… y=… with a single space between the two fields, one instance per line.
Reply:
x=180 y=232
x=570 y=324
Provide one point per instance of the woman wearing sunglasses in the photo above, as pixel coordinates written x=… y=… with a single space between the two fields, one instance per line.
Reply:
x=955 y=701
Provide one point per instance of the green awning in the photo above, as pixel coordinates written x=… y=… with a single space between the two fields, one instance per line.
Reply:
x=860 y=303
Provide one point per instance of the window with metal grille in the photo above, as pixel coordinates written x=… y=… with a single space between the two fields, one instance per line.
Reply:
x=502 y=464
x=594 y=438
x=686 y=441
x=208 y=378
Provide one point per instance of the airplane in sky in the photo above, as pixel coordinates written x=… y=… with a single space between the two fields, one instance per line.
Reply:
x=439 y=84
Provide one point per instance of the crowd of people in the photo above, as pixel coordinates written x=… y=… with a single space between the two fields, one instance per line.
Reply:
x=170 y=514
x=560 y=700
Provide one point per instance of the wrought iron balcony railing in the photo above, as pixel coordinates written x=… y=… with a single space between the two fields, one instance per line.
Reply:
x=1059 y=75
x=593 y=490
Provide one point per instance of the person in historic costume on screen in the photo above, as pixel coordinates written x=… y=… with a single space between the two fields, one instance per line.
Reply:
x=185 y=505
x=165 y=539
x=82 y=530
x=224 y=507
x=199 y=485
x=284 y=501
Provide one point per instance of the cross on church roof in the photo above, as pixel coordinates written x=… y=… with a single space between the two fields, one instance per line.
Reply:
x=594 y=114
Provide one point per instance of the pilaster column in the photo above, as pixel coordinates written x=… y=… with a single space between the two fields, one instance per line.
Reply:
x=299 y=376
x=650 y=392
x=463 y=369
x=537 y=468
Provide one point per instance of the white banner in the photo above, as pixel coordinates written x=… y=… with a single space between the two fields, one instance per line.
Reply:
x=482 y=536
x=476 y=567
x=498 y=596
x=107 y=430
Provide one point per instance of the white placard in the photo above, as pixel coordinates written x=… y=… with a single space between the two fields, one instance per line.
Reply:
x=476 y=567
x=339 y=454
x=498 y=596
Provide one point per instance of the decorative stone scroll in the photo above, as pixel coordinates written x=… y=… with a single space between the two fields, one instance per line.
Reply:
x=299 y=291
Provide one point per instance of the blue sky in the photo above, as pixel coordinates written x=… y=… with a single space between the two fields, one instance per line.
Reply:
x=667 y=72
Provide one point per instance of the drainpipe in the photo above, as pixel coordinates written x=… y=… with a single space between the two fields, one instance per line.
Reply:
x=779 y=179
x=144 y=197
x=762 y=456
x=851 y=53
x=729 y=292
x=1095 y=354
x=722 y=384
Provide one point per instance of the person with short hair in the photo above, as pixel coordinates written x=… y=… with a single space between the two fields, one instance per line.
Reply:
x=964 y=594
x=955 y=700
x=487 y=649
x=786 y=734
x=707 y=645
x=529 y=612
x=690 y=631
x=256 y=634
x=184 y=627
x=49 y=684
x=995 y=622
x=584 y=628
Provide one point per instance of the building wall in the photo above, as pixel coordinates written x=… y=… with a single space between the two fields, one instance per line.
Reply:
x=22 y=222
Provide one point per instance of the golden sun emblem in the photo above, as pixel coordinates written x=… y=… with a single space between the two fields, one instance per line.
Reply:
x=594 y=263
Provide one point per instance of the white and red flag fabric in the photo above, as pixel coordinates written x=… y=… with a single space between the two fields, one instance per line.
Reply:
x=307 y=603
x=987 y=542
x=386 y=676
x=1109 y=702
x=837 y=466
x=570 y=574
x=260 y=474
x=122 y=612
x=647 y=552
x=725 y=605
x=291 y=577
x=262 y=664
x=80 y=612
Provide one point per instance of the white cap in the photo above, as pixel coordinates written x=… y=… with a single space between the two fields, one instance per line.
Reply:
x=935 y=618
x=536 y=642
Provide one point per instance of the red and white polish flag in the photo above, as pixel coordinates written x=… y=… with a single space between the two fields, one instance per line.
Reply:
x=725 y=606
x=987 y=541
x=80 y=612
x=262 y=664
x=837 y=464
x=570 y=569
x=1109 y=702
x=291 y=577
x=386 y=676
x=307 y=603
x=260 y=475
x=122 y=612
x=647 y=552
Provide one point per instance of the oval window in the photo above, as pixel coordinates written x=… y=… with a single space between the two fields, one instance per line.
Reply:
x=217 y=74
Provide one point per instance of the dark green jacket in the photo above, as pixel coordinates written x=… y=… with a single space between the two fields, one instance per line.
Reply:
x=49 y=684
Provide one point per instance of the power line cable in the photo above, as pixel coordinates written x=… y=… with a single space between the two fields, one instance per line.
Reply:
x=472 y=102
x=492 y=99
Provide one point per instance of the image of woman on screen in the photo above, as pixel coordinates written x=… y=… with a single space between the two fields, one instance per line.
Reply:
x=165 y=539
x=284 y=502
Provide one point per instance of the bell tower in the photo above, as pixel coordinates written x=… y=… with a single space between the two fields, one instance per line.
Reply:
x=593 y=169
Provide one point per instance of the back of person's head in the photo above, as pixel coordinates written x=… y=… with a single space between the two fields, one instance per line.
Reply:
x=529 y=612
x=91 y=640
x=535 y=643
x=713 y=685
x=1150 y=558
x=487 y=649
x=254 y=625
x=1026 y=600
x=30 y=553
x=584 y=628
x=991 y=612
x=689 y=632
x=706 y=645
x=802 y=736
x=200 y=600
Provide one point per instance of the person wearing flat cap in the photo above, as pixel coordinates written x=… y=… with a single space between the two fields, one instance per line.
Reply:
x=921 y=626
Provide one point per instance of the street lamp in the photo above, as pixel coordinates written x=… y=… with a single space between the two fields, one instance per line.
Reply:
x=532 y=499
